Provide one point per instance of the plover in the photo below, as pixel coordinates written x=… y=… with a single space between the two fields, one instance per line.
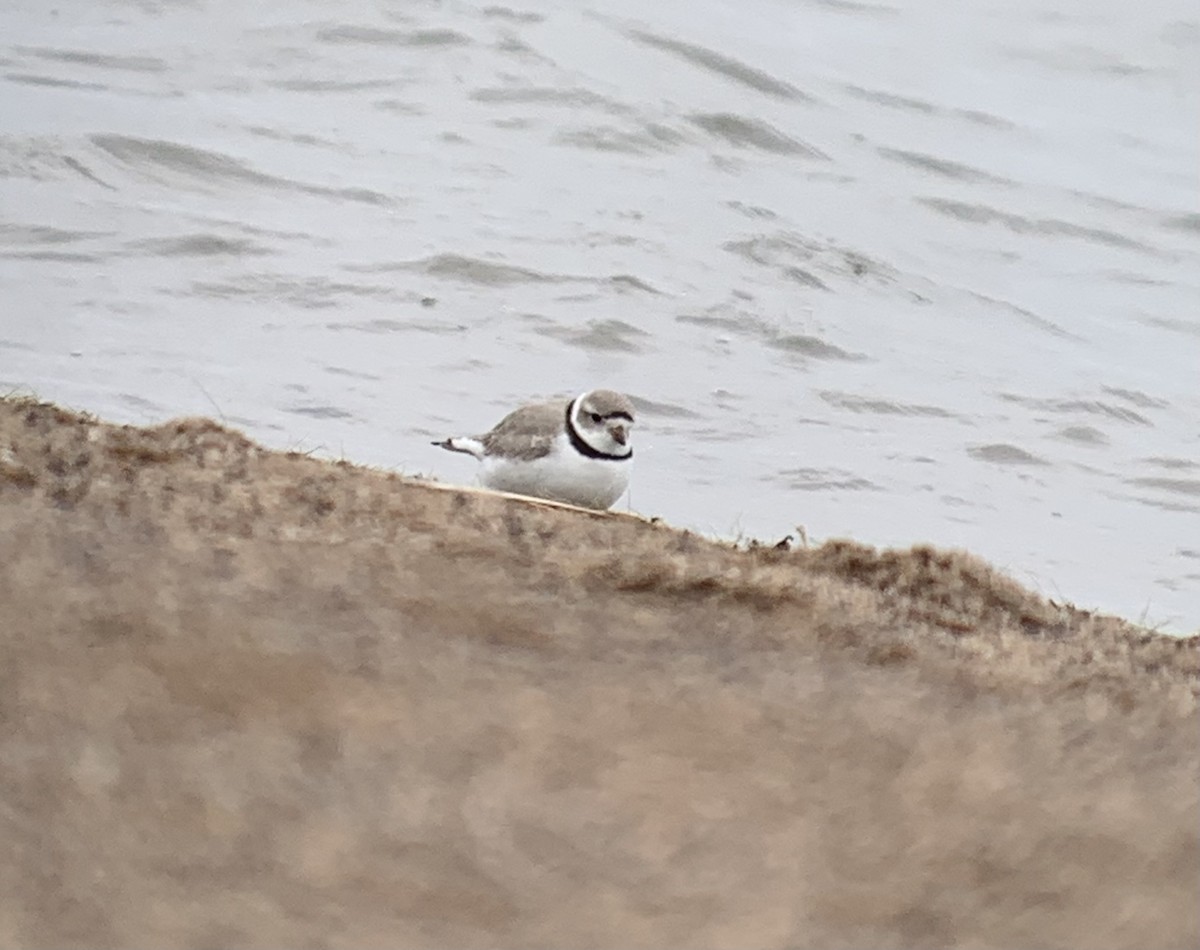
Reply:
x=575 y=451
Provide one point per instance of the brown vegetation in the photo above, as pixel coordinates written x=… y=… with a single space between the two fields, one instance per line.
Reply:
x=257 y=699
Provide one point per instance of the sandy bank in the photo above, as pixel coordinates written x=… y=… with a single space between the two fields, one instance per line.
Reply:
x=257 y=699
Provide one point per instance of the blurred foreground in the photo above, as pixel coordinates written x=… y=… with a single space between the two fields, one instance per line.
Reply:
x=260 y=700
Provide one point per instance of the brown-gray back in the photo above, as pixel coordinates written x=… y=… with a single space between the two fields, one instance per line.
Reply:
x=527 y=433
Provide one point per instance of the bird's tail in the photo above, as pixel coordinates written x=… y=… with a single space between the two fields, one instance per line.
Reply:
x=467 y=446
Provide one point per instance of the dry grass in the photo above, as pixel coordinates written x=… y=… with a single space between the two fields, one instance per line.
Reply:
x=259 y=699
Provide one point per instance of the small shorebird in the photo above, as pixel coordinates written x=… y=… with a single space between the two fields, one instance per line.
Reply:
x=576 y=452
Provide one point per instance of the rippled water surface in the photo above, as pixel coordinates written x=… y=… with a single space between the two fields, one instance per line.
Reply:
x=910 y=272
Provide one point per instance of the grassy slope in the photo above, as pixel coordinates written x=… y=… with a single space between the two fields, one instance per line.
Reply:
x=260 y=699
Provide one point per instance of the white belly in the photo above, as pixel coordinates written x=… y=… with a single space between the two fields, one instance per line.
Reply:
x=563 y=475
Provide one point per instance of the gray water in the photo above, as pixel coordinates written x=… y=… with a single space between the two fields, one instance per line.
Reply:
x=900 y=272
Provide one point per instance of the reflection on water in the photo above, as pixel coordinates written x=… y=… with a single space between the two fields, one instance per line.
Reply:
x=903 y=275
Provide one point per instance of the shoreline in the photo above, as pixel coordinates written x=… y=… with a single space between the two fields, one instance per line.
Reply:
x=314 y=701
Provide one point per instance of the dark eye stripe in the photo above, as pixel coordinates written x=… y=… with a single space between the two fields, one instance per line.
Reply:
x=620 y=414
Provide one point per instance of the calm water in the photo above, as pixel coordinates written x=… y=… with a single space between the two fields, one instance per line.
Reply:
x=911 y=272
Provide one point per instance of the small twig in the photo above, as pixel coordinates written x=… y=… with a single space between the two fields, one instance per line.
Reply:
x=210 y=399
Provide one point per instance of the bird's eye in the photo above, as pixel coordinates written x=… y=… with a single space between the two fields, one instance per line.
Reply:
x=597 y=418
